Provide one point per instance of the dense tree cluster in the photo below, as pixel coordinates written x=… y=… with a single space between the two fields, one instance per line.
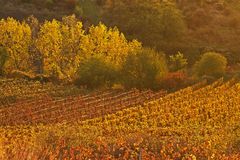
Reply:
x=159 y=37
x=153 y=23
x=61 y=45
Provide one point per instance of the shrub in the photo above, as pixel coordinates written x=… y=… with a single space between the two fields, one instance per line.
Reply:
x=144 y=69
x=174 y=80
x=3 y=59
x=95 y=73
x=211 y=64
x=177 y=62
x=78 y=10
x=90 y=10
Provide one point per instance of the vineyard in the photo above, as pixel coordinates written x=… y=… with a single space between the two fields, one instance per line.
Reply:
x=37 y=103
x=47 y=121
x=119 y=80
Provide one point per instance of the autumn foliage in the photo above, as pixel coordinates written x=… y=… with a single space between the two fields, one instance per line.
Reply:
x=198 y=122
x=62 y=45
x=15 y=37
x=85 y=87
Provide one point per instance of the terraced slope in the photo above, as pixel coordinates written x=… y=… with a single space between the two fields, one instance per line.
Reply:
x=193 y=123
x=24 y=102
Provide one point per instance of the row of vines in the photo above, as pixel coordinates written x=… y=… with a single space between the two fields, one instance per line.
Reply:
x=198 y=122
x=24 y=102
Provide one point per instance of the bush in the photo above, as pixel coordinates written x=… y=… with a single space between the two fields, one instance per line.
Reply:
x=95 y=73
x=144 y=69
x=211 y=64
x=174 y=80
x=177 y=62
x=3 y=59
x=90 y=11
x=78 y=10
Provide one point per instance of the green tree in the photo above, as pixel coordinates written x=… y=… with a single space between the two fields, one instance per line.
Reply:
x=150 y=22
x=144 y=69
x=177 y=62
x=96 y=73
x=211 y=64
x=88 y=9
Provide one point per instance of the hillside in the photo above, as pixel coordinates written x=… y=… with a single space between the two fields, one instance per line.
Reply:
x=211 y=24
x=47 y=9
x=24 y=102
x=20 y=9
x=198 y=121
x=119 y=80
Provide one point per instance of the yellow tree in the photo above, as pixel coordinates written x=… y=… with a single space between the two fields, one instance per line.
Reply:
x=59 y=43
x=109 y=43
x=49 y=43
x=65 y=44
x=72 y=33
x=15 y=37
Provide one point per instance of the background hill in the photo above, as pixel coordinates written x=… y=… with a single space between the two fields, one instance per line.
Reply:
x=162 y=84
x=210 y=24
